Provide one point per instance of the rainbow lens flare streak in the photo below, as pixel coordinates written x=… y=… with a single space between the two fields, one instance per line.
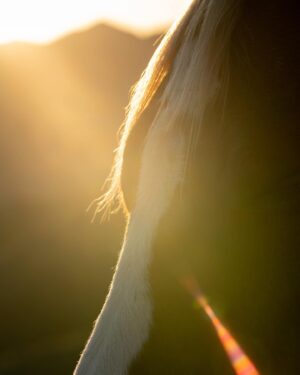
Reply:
x=240 y=362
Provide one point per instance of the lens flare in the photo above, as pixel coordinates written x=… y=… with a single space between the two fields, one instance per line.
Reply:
x=240 y=362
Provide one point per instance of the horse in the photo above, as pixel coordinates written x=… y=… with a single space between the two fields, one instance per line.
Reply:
x=207 y=173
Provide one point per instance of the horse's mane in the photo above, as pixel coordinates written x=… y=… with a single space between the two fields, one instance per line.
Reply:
x=191 y=63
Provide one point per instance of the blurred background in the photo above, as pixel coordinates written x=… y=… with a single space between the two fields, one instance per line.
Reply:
x=65 y=73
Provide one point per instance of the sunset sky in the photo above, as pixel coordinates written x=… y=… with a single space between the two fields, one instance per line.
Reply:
x=43 y=21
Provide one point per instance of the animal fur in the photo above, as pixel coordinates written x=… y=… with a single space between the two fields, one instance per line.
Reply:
x=191 y=61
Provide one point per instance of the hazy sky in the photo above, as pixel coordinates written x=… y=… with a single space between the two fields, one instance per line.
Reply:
x=43 y=20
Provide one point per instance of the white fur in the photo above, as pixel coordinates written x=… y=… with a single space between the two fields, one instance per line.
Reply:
x=123 y=325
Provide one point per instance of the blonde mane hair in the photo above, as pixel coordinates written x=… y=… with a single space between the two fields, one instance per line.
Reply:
x=191 y=61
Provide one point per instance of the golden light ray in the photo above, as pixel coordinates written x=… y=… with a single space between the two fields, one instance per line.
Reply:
x=240 y=362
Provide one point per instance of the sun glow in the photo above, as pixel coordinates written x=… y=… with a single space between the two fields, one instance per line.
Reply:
x=43 y=21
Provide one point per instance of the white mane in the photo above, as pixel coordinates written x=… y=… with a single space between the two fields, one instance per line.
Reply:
x=191 y=59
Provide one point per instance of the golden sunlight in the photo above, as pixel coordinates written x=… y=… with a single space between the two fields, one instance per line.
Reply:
x=42 y=21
